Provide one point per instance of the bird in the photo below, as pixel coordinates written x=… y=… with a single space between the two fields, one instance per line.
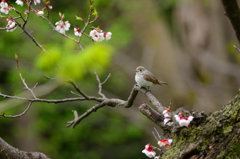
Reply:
x=145 y=78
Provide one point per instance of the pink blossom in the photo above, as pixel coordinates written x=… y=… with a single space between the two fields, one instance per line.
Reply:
x=165 y=143
x=148 y=151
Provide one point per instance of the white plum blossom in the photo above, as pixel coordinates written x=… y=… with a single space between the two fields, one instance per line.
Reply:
x=37 y=1
x=97 y=36
x=62 y=27
x=165 y=143
x=108 y=35
x=183 y=121
x=100 y=37
x=168 y=122
x=77 y=32
x=19 y=2
x=148 y=151
x=166 y=113
x=11 y=25
x=93 y=33
x=4 y=7
x=39 y=12
x=177 y=117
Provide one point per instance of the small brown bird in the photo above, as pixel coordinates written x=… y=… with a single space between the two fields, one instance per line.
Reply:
x=145 y=78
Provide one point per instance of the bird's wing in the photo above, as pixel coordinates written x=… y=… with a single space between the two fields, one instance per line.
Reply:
x=151 y=78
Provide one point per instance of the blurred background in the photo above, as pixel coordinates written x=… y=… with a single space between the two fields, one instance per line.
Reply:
x=187 y=43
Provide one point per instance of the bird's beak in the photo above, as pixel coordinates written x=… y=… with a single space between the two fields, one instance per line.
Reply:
x=136 y=71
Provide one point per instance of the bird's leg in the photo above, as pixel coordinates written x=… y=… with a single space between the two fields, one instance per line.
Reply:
x=147 y=89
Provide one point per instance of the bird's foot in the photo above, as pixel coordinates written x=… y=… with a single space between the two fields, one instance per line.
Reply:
x=147 y=89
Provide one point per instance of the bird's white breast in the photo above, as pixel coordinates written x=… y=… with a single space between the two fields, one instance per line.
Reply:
x=141 y=81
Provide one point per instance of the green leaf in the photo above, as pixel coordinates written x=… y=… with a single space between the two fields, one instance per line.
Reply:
x=16 y=56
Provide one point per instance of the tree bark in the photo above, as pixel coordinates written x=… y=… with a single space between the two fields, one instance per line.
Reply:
x=9 y=152
x=216 y=136
x=233 y=13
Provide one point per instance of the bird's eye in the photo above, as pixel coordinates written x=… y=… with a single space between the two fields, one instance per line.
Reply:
x=140 y=70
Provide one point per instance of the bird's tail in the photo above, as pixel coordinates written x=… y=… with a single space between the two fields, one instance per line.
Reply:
x=161 y=82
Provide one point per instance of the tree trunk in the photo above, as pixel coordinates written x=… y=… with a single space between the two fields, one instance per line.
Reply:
x=217 y=136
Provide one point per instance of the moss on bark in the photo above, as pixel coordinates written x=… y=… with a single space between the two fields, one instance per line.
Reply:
x=217 y=137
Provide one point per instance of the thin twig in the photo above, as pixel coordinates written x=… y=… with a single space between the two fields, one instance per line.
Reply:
x=76 y=94
x=157 y=133
x=54 y=28
x=25 y=84
x=28 y=34
x=236 y=48
x=16 y=116
x=100 y=84
x=161 y=150
x=49 y=77
x=29 y=8
x=77 y=118
x=77 y=89
x=52 y=100
x=155 y=136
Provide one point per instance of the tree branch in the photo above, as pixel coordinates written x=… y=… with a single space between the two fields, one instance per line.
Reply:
x=9 y=152
x=77 y=89
x=16 y=116
x=152 y=114
x=100 y=84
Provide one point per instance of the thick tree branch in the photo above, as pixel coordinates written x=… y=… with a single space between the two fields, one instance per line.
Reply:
x=152 y=99
x=9 y=152
x=152 y=114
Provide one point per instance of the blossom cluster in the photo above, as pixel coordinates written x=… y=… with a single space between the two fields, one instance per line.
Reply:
x=183 y=121
x=4 y=7
x=62 y=26
x=98 y=35
x=148 y=151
